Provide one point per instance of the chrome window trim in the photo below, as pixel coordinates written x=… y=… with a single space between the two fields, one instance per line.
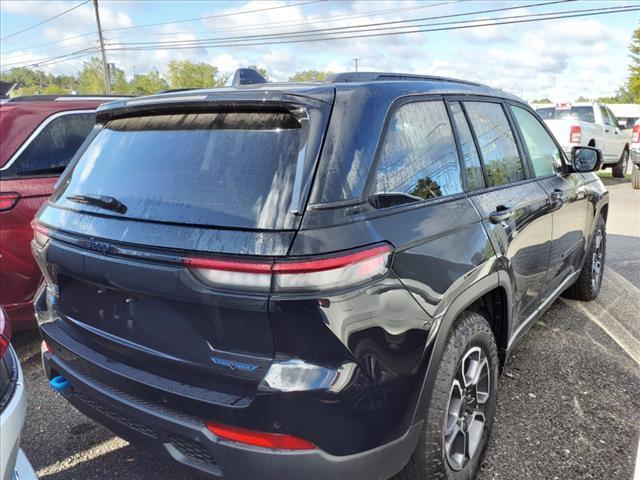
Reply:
x=37 y=132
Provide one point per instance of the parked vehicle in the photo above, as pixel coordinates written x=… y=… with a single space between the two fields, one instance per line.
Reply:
x=39 y=135
x=627 y=114
x=635 y=155
x=589 y=124
x=13 y=408
x=311 y=280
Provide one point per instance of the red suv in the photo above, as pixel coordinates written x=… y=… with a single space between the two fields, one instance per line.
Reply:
x=38 y=137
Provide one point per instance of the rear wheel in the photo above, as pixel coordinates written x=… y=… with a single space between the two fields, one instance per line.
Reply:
x=635 y=177
x=462 y=405
x=620 y=168
x=588 y=284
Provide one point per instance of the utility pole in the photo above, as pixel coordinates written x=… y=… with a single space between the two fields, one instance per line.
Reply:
x=135 y=85
x=356 y=62
x=105 y=66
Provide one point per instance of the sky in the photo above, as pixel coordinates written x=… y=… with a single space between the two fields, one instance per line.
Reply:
x=561 y=59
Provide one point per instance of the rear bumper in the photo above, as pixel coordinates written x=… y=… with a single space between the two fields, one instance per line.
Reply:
x=187 y=441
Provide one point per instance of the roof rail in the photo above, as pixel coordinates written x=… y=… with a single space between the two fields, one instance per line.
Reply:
x=353 y=77
x=65 y=98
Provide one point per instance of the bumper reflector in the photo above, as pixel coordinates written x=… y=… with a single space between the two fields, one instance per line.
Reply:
x=260 y=439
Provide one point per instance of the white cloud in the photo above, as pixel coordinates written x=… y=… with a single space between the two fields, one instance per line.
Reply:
x=564 y=58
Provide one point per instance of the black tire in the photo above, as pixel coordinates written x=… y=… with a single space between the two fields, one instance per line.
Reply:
x=470 y=336
x=588 y=284
x=620 y=168
x=635 y=177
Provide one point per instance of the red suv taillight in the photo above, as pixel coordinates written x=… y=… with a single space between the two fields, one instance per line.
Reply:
x=5 y=332
x=635 y=134
x=8 y=201
x=316 y=274
x=575 y=134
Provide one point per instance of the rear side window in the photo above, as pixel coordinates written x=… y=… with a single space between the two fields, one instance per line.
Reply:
x=497 y=144
x=605 y=116
x=543 y=151
x=475 y=178
x=217 y=169
x=52 y=149
x=418 y=159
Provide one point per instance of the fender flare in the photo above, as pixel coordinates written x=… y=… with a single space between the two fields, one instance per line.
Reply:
x=475 y=291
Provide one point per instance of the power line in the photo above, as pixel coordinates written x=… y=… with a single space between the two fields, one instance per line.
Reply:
x=367 y=25
x=473 y=24
x=44 y=21
x=292 y=23
x=215 y=16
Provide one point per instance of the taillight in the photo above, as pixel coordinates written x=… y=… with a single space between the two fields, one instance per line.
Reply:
x=40 y=233
x=276 y=441
x=5 y=332
x=635 y=134
x=8 y=201
x=575 y=134
x=316 y=274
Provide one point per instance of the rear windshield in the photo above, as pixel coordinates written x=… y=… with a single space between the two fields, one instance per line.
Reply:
x=217 y=169
x=583 y=114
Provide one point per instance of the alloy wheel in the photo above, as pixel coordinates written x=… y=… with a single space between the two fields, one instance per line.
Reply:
x=465 y=416
x=596 y=259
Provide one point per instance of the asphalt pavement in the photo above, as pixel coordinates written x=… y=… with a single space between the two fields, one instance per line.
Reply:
x=567 y=407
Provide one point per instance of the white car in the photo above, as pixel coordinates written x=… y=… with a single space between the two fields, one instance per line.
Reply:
x=635 y=155
x=13 y=408
x=589 y=124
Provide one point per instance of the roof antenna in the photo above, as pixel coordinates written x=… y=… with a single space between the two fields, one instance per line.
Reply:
x=247 y=76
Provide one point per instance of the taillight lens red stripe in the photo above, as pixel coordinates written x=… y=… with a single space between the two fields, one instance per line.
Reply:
x=635 y=134
x=320 y=265
x=260 y=439
x=228 y=266
x=8 y=201
x=288 y=275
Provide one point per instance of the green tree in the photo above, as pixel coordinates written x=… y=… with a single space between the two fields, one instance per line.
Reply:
x=622 y=96
x=91 y=78
x=309 y=76
x=261 y=71
x=427 y=188
x=633 y=85
x=148 y=83
x=186 y=74
x=542 y=100
x=582 y=99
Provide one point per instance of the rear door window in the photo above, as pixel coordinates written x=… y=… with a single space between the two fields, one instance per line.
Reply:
x=54 y=146
x=471 y=160
x=497 y=144
x=228 y=169
x=543 y=151
x=418 y=159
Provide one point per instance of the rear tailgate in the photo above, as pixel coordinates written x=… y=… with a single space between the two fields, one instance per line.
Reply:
x=223 y=178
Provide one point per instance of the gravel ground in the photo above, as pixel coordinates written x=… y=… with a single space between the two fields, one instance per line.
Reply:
x=567 y=405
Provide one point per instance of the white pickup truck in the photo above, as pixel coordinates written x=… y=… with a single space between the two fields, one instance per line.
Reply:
x=589 y=124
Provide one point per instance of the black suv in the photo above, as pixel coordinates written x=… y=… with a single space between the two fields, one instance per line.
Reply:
x=320 y=280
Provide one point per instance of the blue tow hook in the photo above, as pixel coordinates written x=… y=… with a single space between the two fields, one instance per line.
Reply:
x=59 y=383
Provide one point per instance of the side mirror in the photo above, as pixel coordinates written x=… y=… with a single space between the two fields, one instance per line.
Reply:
x=586 y=159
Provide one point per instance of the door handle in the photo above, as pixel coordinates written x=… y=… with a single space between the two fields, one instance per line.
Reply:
x=501 y=214
x=606 y=131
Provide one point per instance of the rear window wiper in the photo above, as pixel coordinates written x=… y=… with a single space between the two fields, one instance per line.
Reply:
x=102 y=201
